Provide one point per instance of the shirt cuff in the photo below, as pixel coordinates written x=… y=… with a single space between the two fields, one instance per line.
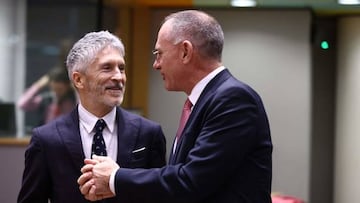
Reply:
x=112 y=181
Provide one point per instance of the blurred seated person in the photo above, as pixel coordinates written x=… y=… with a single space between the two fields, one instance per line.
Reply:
x=52 y=95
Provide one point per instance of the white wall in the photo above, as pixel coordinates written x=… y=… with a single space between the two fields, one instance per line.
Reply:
x=270 y=50
x=12 y=27
x=6 y=27
x=12 y=53
x=347 y=154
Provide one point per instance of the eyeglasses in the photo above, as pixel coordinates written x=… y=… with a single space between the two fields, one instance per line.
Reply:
x=157 y=54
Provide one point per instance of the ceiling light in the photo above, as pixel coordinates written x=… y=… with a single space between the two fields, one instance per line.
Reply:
x=243 y=3
x=349 y=2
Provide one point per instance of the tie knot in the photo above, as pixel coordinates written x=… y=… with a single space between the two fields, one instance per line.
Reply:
x=100 y=125
x=187 y=104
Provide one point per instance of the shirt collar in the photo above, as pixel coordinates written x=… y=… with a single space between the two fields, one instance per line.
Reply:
x=89 y=120
x=200 y=86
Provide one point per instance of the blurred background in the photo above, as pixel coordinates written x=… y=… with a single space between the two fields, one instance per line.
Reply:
x=302 y=57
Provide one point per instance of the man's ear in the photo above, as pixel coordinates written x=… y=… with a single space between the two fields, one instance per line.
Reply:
x=78 y=80
x=187 y=51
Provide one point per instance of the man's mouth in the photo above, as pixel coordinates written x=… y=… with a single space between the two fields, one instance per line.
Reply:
x=115 y=87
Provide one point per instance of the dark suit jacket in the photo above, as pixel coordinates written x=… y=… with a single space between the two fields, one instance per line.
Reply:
x=224 y=154
x=55 y=156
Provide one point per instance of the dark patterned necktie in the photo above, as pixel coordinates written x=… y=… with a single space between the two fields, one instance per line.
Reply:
x=98 y=146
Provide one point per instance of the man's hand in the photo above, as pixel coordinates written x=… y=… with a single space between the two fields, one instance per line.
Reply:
x=94 y=182
x=85 y=180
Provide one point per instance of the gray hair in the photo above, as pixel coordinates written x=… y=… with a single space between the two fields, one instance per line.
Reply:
x=201 y=29
x=84 y=51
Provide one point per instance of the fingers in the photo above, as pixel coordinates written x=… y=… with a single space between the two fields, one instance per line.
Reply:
x=108 y=195
x=85 y=177
x=85 y=181
x=85 y=184
x=94 y=195
x=91 y=161
x=93 y=183
x=91 y=194
x=87 y=168
x=100 y=159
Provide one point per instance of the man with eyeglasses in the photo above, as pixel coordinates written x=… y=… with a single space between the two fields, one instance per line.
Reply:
x=222 y=153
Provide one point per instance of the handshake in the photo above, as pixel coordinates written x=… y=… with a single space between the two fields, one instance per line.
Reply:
x=95 y=178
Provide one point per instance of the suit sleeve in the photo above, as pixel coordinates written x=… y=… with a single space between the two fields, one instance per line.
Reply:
x=36 y=181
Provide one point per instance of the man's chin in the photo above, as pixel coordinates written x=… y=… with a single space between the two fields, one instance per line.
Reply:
x=117 y=102
x=172 y=89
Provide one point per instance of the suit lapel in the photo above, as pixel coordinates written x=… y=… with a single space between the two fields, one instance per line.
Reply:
x=206 y=94
x=70 y=133
x=127 y=132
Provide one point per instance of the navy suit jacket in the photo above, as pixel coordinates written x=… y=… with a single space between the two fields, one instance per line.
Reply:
x=223 y=156
x=55 y=156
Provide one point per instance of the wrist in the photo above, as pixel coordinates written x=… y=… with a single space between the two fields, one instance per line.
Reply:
x=112 y=181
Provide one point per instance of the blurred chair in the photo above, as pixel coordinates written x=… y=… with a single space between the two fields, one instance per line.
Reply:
x=278 y=198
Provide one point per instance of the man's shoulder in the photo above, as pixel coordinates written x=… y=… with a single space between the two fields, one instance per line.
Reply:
x=59 y=122
x=135 y=116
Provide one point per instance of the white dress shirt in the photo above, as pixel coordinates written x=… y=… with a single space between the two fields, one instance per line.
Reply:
x=87 y=124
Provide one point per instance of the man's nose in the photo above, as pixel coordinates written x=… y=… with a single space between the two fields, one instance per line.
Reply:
x=156 y=65
x=118 y=75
